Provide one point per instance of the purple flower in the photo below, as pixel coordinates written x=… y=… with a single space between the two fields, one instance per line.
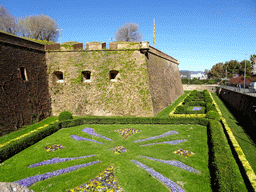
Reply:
x=174 y=163
x=91 y=132
x=56 y=160
x=196 y=108
x=158 y=136
x=167 y=182
x=86 y=139
x=31 y=180
x=167 y=142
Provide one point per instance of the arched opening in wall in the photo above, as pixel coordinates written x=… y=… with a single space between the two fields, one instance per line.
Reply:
x=23 y=73
x=113 y=75
x=86 y=76
x=58 y=76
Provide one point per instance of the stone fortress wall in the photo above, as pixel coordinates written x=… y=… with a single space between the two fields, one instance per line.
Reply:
x=146 y=80
x=128 y=79
x=24 y=91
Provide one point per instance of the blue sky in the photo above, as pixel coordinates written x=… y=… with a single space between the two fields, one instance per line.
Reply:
x=198 y=33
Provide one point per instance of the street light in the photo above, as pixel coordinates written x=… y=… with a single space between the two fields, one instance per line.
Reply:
x=245 y=70
x=59 y=30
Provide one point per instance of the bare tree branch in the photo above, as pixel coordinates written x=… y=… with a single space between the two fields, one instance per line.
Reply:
x=8 y=23
x=129 y=32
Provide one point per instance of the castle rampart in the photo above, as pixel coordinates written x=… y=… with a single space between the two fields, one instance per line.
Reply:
x=24 y=94
x=128 y=79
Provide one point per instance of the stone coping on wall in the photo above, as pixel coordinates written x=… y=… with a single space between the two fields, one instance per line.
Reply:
x=18 y=41
x=162 y=54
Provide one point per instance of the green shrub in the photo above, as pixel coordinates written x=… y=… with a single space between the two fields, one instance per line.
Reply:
x=208 y=99
x=213 y=115
x=193 y=92
x=187 y=99
x=65 y=115
x=180 y=110
x=195 y=103
x=210 y=107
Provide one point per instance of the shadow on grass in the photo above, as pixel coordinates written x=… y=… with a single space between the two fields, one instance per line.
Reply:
x=244 y=122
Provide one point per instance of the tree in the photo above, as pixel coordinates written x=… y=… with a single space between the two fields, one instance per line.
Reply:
x=253 y=63
x=8 y=23
x=248 y=68
x=217 y=71
x=129 y=32
x=40 y=27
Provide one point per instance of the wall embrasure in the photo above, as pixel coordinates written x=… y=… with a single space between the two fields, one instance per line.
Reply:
x=127 y=95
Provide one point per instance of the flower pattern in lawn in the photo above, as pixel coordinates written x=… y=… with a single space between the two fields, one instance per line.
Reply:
x=105 y=181
x=54 y=147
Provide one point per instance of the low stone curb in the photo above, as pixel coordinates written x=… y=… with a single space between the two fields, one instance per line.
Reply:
x=13 y=187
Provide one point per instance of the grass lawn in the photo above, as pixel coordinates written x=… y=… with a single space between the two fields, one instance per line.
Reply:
x=129 y=176
x=165 y=112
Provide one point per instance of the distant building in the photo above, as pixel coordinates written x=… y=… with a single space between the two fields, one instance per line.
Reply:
x=192 y=74
x=198 y=75
x=185 y=74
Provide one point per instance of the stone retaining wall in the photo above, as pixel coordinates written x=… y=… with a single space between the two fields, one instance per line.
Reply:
x=211 y=88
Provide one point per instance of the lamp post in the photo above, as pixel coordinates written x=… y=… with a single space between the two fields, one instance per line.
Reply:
x=59 y=30
x=245 y=70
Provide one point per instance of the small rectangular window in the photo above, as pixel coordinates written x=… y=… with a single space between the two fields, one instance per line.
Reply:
x=113 y=75
x=23 y=73
x=86 y=76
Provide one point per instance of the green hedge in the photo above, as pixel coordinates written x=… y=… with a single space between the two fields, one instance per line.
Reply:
x=17 y=146
x=223 y=164
x=196 y=103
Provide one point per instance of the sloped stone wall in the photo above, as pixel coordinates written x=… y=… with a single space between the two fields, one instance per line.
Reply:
x=164 y=79
x=22 y=101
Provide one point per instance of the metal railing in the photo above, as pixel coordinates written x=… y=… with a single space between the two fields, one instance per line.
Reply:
x=245 y=91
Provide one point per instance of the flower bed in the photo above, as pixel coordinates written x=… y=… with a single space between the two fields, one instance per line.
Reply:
x=174 y=163
x=184 y=153
x=118 y=150
x=91 y=132
x=57 y=160
x=85 y=139
x=127 y=132
x=30 y=180
x=175 y=142
x=105 y=181
x=167 y=182
x=158 y=136
x=54 y=147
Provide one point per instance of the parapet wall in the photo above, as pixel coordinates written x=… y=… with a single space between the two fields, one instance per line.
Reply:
x=244 y=105
x=211 y=88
